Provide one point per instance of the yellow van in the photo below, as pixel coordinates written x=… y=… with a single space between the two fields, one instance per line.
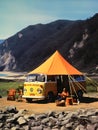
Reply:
x=41 y=86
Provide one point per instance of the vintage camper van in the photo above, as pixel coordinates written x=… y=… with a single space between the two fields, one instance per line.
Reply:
x=41 y=86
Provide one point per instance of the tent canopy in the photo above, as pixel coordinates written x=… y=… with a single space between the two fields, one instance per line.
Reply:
x=56 y=65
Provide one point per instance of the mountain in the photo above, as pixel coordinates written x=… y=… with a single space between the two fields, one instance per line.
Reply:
x=1 y=41
x=76 y=40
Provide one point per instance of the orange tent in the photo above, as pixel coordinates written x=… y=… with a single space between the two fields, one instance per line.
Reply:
x=56 y=65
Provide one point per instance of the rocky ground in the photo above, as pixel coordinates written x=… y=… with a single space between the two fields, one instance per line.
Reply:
x=47 y=116
x=81 y=119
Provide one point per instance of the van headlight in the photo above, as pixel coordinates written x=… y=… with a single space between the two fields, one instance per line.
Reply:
x=31 y=89
x=39 y=90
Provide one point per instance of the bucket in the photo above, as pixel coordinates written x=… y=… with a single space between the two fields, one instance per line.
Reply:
x=69 y=101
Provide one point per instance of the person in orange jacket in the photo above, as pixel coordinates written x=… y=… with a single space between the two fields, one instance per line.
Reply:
x=63 y=95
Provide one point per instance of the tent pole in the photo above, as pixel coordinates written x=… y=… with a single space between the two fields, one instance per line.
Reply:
x=71 y=85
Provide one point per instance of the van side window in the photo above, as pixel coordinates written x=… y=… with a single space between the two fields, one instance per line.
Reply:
x=31 y=78
x=50 y=78
x=41 y=78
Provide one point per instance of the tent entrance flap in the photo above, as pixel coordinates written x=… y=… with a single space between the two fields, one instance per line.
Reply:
x=77 y=85
x=62 y=82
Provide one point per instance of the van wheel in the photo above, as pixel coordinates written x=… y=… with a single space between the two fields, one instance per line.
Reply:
x=50 y=97
x=29 y=100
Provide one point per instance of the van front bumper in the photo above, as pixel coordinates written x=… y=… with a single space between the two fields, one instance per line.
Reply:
x=34 y=97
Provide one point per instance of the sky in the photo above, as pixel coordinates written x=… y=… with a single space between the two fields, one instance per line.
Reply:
x=16 y=15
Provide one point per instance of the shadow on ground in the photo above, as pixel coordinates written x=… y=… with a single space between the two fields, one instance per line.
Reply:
x=39 y=101
x=83 y=100
x=89 y=99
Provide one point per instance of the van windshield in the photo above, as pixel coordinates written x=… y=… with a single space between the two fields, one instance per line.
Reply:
x=35 y=77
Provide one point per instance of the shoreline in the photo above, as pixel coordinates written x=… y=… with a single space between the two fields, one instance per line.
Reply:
x=10 y=75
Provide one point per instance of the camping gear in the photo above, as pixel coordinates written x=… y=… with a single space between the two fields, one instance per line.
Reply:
x=18 y=95
x=69 y=101
x=11 y=94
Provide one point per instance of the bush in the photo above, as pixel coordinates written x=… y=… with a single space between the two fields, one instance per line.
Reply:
x=91 y=85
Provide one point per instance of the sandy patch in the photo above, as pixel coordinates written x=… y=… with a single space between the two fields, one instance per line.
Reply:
x=37 y=107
